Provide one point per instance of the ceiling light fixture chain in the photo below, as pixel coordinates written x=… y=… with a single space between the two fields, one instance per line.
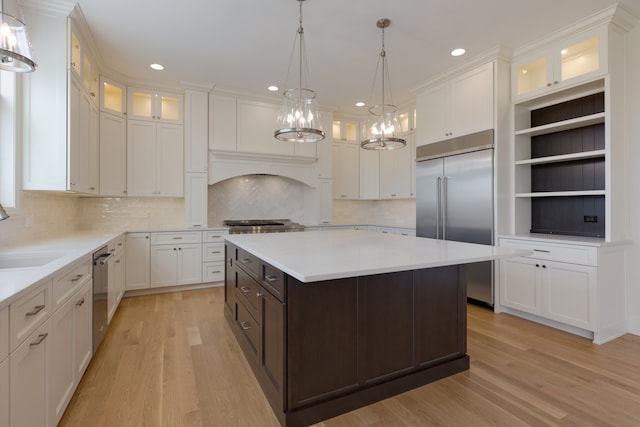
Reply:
x=299 y=118
x=382 y=129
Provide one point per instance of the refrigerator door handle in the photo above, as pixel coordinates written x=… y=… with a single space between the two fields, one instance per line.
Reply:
x=438 y=205
x=445 y=180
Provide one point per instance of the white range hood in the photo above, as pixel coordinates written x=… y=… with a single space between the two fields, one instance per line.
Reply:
x=224 y=165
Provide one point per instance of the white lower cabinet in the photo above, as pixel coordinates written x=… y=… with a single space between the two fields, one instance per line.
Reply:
x=71 y=349
x=4 y=392
x=564 y=283
x=4 y=366
x=30 y=371
x=116 y=275
x=213 y=256
x=137 y=261
x=176 y=258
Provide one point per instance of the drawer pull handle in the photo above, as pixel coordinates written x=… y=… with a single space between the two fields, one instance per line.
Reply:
x=271 y=277
x=41 y=338
x=37 y=309
x=245 y=289
x=80 y=303
x=78 y=277
x=259 y=294
x=177 y=238
x=246 y=261
x=542 y=250
x=215 y=271
x=245 y=325
x=215 y=252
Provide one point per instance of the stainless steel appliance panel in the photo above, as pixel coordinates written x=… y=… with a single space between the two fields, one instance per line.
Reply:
x=428 y=193
x=468 y=197
x=454 y=200
x=100 y=295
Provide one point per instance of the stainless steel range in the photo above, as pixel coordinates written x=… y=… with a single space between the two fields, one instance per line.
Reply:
x=240 y=226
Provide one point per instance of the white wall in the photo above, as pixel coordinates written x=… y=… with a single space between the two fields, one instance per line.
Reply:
x=633 y=175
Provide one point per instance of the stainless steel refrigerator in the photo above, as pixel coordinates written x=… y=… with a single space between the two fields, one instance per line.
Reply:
x=454 y=200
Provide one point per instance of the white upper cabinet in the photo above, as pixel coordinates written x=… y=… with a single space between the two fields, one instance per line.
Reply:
x=346 y=130
x=148 y=104
x=457 y=107
x=574 y=60
x=113 y=97
x=196 y=131
x=256 y=123
x=223 y=123
x=154 y=159
x=113 y=155
x=61 y=131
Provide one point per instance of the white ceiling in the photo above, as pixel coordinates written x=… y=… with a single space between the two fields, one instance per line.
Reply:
x=246 y=45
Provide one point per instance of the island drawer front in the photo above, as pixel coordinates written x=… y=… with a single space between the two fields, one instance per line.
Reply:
x=249 y=327
x=273 y=281
x=575 y=254
x=248 y=263
x=180 y=238
x=248 y=293
x=4 y=333
x=29 y=312
x=70 y=280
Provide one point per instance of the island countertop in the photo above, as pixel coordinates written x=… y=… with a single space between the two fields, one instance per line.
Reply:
x=333 y=254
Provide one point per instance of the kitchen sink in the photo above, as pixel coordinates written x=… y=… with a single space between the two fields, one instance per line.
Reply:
x=9 y=261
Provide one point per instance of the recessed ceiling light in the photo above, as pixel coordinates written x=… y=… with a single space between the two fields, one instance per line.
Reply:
x=156 y=67
x=273 y=88
x=457 y=52
x=360 y=104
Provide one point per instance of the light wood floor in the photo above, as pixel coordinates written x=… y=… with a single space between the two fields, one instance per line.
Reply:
x=171 y=360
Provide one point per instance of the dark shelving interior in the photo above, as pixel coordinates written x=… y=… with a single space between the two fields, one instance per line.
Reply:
x=571 y=215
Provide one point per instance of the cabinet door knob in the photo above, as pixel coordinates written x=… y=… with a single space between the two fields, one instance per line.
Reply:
x=245 y=325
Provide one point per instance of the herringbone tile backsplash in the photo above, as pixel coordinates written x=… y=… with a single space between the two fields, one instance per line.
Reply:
x=256 y=197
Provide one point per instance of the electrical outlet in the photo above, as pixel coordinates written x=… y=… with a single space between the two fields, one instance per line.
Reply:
x=590 y=218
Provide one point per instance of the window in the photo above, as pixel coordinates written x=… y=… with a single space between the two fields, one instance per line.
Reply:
x=8 y=147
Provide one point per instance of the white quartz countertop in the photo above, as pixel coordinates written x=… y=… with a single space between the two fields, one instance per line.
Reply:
x=332 y=254
x=16 y=281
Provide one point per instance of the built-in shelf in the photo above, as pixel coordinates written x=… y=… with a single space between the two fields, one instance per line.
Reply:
x=579 y=122
x=562 y=193
x=563 y=158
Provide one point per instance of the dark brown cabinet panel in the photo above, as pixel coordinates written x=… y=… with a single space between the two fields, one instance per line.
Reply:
x=230 y=280
x=440 y=315
x=322 y=339
x=385 y=326
x=272 y=342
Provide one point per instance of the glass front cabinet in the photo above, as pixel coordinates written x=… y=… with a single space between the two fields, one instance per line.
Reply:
x=576 y=59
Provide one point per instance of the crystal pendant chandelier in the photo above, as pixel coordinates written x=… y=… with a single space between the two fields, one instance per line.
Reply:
x=382 y=129
x=299 y=119
x=15 y=45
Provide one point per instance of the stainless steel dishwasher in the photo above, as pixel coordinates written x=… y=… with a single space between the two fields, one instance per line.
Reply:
x=100 y=294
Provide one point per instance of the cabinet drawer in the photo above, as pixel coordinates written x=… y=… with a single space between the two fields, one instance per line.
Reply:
x=214 y=236
x=70 y=280
x=248 y=263
x=250 y=328
x=29 y=312
x=212 y=252
x=587 y=255
x=248 y=293
x=213 y=271
x=273 y=281
x=4 y=333
x=116 y=244
x=176 y=238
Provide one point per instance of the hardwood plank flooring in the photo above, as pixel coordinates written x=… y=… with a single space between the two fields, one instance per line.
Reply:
x=171 y=360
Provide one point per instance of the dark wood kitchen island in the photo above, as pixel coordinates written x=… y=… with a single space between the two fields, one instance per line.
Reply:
x=330 y=321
